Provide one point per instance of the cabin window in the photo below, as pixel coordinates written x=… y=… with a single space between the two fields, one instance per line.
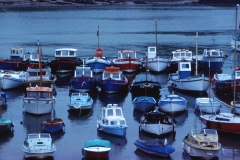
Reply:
x=58 y=53
x=204 y=143
x=122 y=122
x=237 y=74
x=64 y=53
x=115 y=76
x=185 y=65
x=194 y=142
x=110 y=112
x=32 y=94
x=152 y=49
x=44 y=94
x=118 y=112
x=112 y=123
x=188 y=54
x=33 y=74
x=213 y=143
x=87 y=73
x=215 y=54
x=182 y=54
x=177 y=54
x=39 y=142
x=106 y=75
x=71 y=53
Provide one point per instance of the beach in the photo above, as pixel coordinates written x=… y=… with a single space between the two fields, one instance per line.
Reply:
x=4 y=4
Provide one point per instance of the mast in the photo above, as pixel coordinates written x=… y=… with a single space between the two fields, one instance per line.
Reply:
x=196 y=71
x=40 y=62
x=234 y=67
x=98 y=33
x=156 y=37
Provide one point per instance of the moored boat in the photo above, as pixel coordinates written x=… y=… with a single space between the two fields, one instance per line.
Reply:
x=38 y=145
x=212 y=59
x=156 y=123
x=79 y=101
x=155 y=147
x=207 y=105
x=15 y=61
x=202 y=144
x=183 y=80
x=65 y=61
x=39 y=100
x=144 y=103
x=6 y=124
x=96 y=149
x=112 y=80
x=52 y=125
x=177 y=56
x=127 y=60
x=83 y=80
x=112 y=121
x=12 y=79
x=172 y=104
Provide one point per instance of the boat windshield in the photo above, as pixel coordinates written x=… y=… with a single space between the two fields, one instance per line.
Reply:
x=204 y=131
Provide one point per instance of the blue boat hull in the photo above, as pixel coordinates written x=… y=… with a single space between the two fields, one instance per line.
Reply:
x=118 y=130
x=144 y=103
x=214 y=66
x=112 y=86
x=98 y=67
x=11 y=65
x=83 y=84
x=160 y=150
x=52 y=129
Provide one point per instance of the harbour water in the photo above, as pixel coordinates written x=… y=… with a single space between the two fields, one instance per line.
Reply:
x=121 y=27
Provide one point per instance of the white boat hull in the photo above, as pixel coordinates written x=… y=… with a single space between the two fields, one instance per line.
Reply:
x=207 y=105
x=200 y=153
x=157 y=64
x=237 y=45
x=38 y=106
x=9 y=82
x=39 y=153
x=198 y=84
x=173 y=108
x=156 y=128
x=114 y=130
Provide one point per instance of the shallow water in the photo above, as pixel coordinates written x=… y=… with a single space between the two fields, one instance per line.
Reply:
x=130 y=27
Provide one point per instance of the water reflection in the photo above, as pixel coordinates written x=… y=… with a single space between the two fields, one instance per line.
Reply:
x=116 y=98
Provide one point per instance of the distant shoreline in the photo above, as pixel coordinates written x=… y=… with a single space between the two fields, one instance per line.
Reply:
x=6 y=4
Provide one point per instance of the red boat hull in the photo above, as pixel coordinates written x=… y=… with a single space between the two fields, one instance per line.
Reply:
x=222 y=126
x=96 y=155
x=128 y=65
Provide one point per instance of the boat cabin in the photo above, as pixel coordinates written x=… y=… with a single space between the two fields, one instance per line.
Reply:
x=75 y=94
x=181 y=54
x=39 y=140
x=184 y=69
x=123 y=54
x=83 y=71
x=99 y=53
x=33 y=74
x=66 y=53
x=113 y=73
x=203 y=137
x=212 y=53
x=39 y=92
x=156 y=117
x=112 y=115
x=17 y=53
x=152 y=52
